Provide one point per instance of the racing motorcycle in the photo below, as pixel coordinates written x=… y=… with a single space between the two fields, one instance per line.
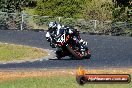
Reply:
x=68 y=45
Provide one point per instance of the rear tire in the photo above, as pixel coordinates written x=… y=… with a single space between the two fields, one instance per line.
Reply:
x=88 y=55
x=74 y=53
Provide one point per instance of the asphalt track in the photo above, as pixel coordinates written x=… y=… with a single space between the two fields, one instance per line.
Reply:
x=107 y=51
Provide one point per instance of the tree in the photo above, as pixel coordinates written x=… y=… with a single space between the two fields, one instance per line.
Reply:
x=122 y=10
x=124 y=3
x=12 y=5
x=63 y=8
x=98 y=10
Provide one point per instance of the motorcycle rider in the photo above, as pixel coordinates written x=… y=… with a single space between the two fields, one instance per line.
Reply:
x=55 y=30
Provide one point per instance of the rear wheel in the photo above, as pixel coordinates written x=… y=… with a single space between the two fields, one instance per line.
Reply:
x=75 y=53
x=88 y=54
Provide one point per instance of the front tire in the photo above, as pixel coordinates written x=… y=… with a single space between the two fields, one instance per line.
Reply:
x=59 y=54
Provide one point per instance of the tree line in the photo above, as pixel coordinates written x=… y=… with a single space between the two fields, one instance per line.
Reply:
x=116 y=10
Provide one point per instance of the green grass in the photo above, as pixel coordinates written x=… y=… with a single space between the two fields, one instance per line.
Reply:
x=55 y=82
x=10 y=52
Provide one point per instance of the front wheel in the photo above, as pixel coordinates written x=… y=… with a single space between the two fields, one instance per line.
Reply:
x=59 y=54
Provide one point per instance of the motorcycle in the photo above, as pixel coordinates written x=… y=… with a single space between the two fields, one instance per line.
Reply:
x=68 y=45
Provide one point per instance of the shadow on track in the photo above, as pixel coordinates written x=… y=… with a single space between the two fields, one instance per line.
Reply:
x=69 y=59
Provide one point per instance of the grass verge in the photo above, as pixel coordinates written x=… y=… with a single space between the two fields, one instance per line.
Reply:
x=11 y=52
x=55 y=82
x=55 y=78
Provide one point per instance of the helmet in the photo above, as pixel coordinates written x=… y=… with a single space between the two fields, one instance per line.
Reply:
x=52 y=25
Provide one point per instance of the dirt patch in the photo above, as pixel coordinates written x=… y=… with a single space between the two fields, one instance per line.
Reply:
x=14 y=74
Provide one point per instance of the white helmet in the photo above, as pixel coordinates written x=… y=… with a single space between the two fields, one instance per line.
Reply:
x=52 y=25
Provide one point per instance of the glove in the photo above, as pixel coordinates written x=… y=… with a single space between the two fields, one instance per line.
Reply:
x=48 y=39
x=53 y=45
x=47 y=34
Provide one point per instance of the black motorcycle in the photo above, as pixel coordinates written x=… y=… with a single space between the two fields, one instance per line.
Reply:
x=68 y=45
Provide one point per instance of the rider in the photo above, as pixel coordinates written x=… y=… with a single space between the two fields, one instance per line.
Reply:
x=55 y=29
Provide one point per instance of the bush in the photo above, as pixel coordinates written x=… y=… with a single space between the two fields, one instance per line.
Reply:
x=62 y=8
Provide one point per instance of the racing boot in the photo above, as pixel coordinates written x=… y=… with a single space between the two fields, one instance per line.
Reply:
x=83 y=45
x=83 y=42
